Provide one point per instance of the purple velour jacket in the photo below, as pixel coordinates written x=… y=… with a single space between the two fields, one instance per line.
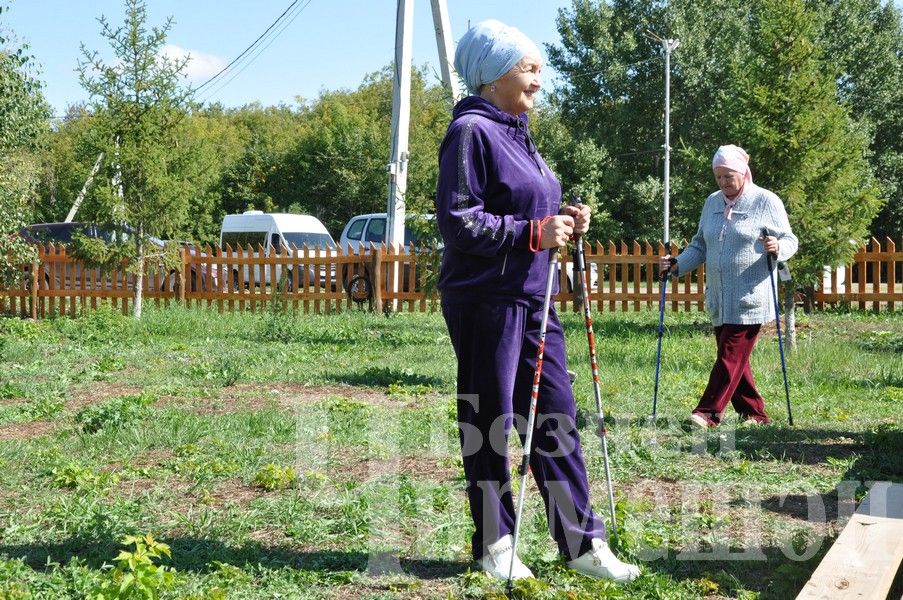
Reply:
x=492 y=184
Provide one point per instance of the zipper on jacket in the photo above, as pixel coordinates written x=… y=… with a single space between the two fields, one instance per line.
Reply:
x=504 y=264
x=531 y=146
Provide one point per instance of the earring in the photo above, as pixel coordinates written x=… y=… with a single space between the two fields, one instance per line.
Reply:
x=492 y=88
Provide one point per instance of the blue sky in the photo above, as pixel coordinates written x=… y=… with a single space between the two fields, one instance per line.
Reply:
x=330 y=44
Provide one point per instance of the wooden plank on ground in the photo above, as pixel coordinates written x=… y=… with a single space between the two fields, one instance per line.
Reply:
x=865 y=557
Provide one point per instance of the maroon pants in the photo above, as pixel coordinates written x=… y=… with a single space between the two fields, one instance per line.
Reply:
x=731 y=379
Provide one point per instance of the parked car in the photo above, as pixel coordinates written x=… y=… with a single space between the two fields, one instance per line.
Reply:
x=362 y=230
x=276 y=233
x=64 y=233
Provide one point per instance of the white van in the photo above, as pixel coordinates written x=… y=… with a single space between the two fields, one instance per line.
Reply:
x=277 y=233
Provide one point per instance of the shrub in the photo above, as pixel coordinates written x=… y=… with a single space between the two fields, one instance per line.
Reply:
x=113 y=413
x=137 y=575
x=273 y=477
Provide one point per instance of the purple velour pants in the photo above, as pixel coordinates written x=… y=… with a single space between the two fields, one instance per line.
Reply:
x=495 y=343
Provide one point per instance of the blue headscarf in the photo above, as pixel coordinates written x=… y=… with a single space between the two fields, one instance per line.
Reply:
x=488 y=50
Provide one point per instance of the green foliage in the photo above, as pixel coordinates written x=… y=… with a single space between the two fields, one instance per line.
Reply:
x=77 y=476
x=882 y=341
x=43 y=407
x=803 y=144
x=138 y=574
x=114 y=413
x=224 y=369
x=104 y=325
x=384 y=473
x=273 y=477
x=138 y=111
x=863 y=42
x=763 y=75
x=337 y=166
x=278 y=325
x=23 y=111
x=23 y=125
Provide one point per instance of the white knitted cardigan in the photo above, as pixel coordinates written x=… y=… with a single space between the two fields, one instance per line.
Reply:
x=736 y=268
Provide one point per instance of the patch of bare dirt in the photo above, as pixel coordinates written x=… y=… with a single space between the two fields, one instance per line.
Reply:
x=256 y=396
x=25 y=431
x=816 y=453
x=155 y=457
x=234 y=491
x=421 y=590
x=97 y=392
x=360 y=469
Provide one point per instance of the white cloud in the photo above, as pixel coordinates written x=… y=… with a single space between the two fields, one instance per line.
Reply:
x=201 y=66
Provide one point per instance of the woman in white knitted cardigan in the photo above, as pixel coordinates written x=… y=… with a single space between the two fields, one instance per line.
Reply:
x=738 y=294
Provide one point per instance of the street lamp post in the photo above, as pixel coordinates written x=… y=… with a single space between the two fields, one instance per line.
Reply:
x=668 y=45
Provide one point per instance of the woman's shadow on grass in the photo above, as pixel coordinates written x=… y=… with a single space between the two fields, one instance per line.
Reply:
x=201 y=555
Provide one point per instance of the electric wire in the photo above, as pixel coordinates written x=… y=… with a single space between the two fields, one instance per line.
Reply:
x=249 y=48
x=249 y=54
x=286 y=22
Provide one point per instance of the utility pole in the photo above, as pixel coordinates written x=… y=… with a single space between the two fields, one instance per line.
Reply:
x=401 y=109
x=401 y=103
x=401 y=119
x=668 y=45
x=446 y=50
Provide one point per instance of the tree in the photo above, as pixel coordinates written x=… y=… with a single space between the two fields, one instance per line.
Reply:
x=577 y=162
x=613 y=95
x=339 y=161
x=863 y=42
x=751 y=73
x=803 y=143
x=138 y=109
x=23 y=122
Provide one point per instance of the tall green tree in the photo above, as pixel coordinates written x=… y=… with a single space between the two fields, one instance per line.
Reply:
x=139 y=105
x=803 y=143
x=613 y=94
x=23 y=122
x=339 y=161
x=754 y=73
x=863 y=41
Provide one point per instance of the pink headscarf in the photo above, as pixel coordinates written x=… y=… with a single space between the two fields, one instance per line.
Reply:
x=734 y=158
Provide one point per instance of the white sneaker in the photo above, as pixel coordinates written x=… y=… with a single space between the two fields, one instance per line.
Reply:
x=697 y=420
x=497 y=561
x=600 y=562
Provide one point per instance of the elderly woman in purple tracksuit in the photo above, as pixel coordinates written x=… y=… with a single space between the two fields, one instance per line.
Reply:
x=498 y=207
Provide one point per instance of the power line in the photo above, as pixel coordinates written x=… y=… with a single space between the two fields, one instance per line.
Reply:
x=251 y=47
x=275 y=34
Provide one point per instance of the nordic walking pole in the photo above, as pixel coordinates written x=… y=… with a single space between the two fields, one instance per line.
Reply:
x=531 y=414
x=580 y=279
x=777 y=322
x=661 y=327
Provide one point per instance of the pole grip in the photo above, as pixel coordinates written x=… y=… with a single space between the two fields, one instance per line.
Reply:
x=671 y=261
x=769 y=256
x=579 y=258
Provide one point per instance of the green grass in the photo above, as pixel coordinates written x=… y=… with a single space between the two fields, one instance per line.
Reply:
x=317 y=456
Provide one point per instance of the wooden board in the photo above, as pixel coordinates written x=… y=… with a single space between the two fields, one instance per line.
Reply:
x=865 y=557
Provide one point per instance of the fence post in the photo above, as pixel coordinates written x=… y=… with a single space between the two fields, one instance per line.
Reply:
x=34 y=289
x=182 y=269
x=376 y=259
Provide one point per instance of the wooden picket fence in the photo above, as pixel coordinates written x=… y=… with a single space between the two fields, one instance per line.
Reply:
x=623 y=278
